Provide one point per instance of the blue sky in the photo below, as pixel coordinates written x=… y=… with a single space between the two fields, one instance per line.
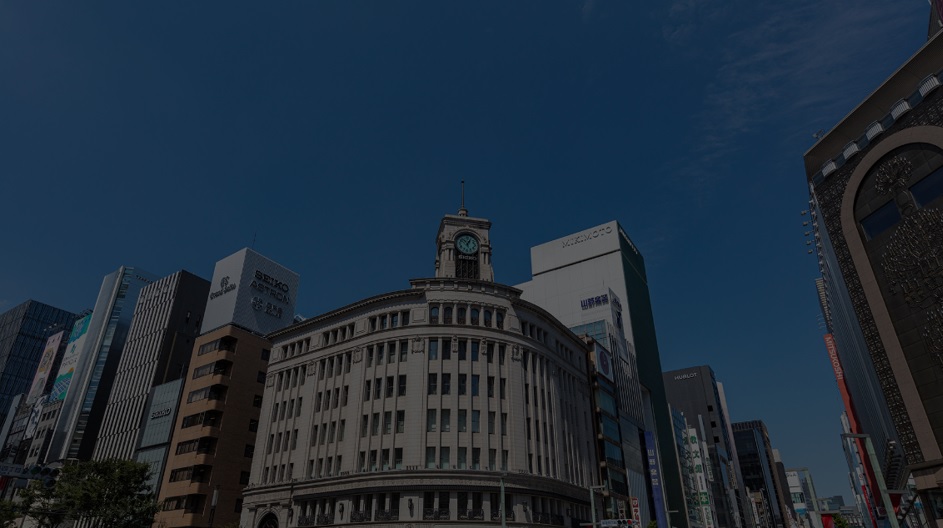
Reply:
x=335 y=134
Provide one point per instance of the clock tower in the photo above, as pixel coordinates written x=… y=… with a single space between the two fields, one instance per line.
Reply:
x=463 y=247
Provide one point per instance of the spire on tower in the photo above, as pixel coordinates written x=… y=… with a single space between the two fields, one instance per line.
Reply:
x=462 y=211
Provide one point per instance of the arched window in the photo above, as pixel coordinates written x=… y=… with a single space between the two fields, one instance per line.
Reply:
x=474 y=316
x=461 y=315
x=269 y=521
x=447 y=319
x=434 y=315
x=488 y=318
x=499 y=320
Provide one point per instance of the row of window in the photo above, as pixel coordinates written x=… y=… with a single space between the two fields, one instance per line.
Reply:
x=289 y=407
x=394 y=320
x=464 y=349
x=466 y=314
x=444 y=421
x=464 y=387
x=378 y=388
x=389 y=351
x=291 y=378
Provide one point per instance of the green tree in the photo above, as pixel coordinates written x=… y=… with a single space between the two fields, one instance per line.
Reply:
x=840 y=521
x=9 y=512
x=109 y=493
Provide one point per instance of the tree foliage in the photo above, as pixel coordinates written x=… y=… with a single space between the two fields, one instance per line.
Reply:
x=109 y=493
x=840 y=521
x=9 y=512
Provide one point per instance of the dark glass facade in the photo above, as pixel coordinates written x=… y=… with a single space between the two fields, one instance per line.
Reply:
x=23 y=334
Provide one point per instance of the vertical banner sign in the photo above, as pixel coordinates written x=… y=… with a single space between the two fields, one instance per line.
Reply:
x=654 y=477
x=70 y=358
x=636 y=511
x=45 y=365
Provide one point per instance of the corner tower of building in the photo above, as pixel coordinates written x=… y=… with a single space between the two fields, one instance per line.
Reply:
x=463 y=248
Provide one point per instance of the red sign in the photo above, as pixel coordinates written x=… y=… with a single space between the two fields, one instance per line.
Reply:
x=636 y=510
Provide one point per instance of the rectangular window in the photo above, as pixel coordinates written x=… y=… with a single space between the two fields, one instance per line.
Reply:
x=377 y=388
x=433 y=349
x=446 y=420
x=491 y=415
x=476 y=458
x=389 y=386
x=364 y=425
x=474 y=350
x=385 y=459
x=504 y=424
x=387 y=422
x=401 y=380
x=446 y=384
x=444 y=457
x=433 y=384
x=403 y=350
x=462 y=458
x=366 y=390
x=332 y=433
x=491 y=386
x=474 y=389
x=380 y=354
x=398 y=458
x=492 y=459
x=400 y=421
x=462 y=420
x=475 y=421
x=373 y=460
x=462 y=350
x=430 y=420
x=446 y=349
x=375 y=430
x=340 y=431
x=504 y=388
x=462 y=384
x=430 y=457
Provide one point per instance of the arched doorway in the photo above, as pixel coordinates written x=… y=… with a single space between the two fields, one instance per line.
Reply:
x=269 y=521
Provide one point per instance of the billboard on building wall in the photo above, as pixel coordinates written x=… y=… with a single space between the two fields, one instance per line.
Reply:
x=654 y=478
x=70 y=358
x=604 y=362
x=45 y=366
x=251 y=291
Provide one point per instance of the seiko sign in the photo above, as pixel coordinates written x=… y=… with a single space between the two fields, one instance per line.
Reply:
x=589 y=235
x=161 y=413
x=275 y=288
x=224 y=287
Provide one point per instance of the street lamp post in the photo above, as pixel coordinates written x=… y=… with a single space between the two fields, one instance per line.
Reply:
x=592 y=501
x=878 y=476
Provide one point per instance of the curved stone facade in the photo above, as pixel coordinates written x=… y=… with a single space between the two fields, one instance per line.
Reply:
x=417 y=406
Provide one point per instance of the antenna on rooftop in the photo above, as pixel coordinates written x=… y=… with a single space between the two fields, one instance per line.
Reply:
x=462 y=211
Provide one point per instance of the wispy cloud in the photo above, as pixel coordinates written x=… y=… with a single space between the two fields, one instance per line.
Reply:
x=800 y=64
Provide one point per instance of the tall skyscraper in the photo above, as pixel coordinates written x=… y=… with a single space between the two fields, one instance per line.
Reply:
x=878 y=212
x=759 y=469
x=23 y=333
x=167 y=319
x=214 y=434
x=695 y=392
x=595 y=282
x=90 y=370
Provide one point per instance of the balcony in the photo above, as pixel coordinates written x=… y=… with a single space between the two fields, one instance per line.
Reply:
x=548 y=518
x=307 y=520
x=471 y=515
x=496 y=515
x=360 y=516
x=387 y=515
x=324 y=518
x=436 y=514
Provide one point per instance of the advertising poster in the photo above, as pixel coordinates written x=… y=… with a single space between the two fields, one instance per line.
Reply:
x=654 y=476
x=70 y=358
x=45 y=365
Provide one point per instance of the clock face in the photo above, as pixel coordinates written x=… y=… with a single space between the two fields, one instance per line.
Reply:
x=467 y=244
